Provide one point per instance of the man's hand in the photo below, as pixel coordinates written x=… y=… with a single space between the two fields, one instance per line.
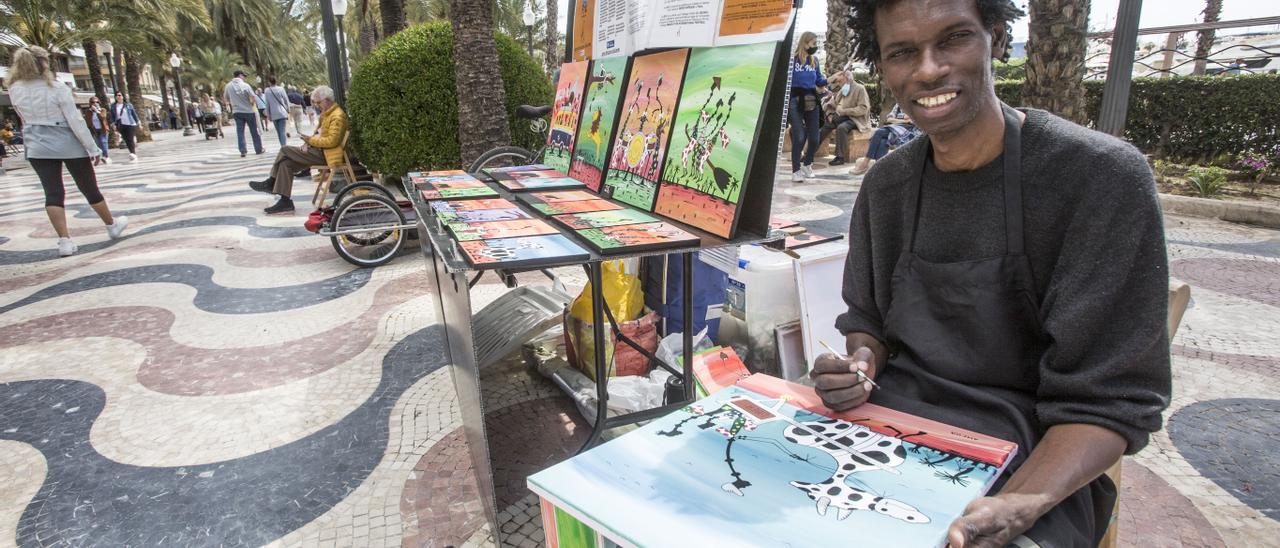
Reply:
x=993 y=521
x=305 y=148
x=837 y=383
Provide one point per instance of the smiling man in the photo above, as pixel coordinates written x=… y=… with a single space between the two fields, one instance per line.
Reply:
x=1006 y=275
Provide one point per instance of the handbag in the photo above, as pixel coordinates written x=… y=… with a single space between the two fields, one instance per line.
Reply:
x=809 y=102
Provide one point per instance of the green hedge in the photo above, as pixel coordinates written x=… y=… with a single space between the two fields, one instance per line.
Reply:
x=403 y=104
x=1188 y=119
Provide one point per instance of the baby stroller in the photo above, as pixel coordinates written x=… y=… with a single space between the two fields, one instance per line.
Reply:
x=212 y=129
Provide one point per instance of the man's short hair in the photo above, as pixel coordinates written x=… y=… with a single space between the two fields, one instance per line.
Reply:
x=271 y=80
x=238 y=74
x=321 y=92
x=862 y=25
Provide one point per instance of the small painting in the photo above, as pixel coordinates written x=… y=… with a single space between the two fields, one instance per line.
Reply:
x=464 y=232
x=455 y=193
x=492 y=171
x=638 y=237
x=564 y=115
x=472 y=205
x=520 y=185
x=535 y=198
x=599 y=116
x=600 y=219
x=580 y=206
x=482 y=215
x=640 y=140
x=514 y=252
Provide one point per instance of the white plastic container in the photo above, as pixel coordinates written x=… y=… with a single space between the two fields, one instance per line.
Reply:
x=761 y=296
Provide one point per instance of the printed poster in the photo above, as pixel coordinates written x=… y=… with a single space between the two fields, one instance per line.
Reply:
x=683 y=23
x=640 y=140
x=754 y=21
x=584 y=28
x=712 y=137
x=564 y=115
x=599 y=116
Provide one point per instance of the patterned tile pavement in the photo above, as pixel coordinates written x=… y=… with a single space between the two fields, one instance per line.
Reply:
x=220 y=377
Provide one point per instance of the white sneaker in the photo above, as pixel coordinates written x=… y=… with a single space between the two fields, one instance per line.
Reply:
x=66 y=247
x=798 y=176
x=115 y=229
x=133 y=157
x=807 y=170
x=106 y=160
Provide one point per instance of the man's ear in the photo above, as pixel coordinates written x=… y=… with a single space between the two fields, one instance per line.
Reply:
x=999 y=40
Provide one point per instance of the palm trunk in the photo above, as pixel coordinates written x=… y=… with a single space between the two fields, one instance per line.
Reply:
x=368 y=34
x=1204 y=39
x=164 y=94
x=481 y=105
x=133 y=75
x=117 y=62
x=554 y=54
x=393 y=17
x=91 y=60
x=837 y=41
x=1055 y=57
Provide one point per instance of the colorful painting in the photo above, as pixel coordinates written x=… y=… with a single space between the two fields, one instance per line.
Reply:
x=601 y=219
x=599 y=116
x=459 y=193
x=513 y=252
x=638 y=237
x=472 y=205
x=564 y=115
x=712 y=137
x=482 y=215
x=492 y=171
x=444 y=175
x=808 y=238
x=580 y=206
x=533 y=174
x=716 y=369
x=520 y=185
x=535 y=198
x=755 y=469
x=464 y=232
x=640 y=140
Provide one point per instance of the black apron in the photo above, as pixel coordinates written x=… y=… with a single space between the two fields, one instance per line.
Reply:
x=965 y=344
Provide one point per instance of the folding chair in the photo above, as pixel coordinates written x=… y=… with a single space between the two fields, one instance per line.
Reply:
x=326 y=173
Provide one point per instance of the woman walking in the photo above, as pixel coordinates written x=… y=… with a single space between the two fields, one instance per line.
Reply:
x=99 y=126
x=803 y=113
x=56 y=136
x=126 y=121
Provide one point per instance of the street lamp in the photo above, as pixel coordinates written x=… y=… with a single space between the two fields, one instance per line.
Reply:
x=176 y=63
x=339 y=10
x=529 y=19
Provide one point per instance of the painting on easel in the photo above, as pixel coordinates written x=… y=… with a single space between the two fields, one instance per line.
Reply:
x=711 y=140
x=564 y=115
x=600 y=114
x=640 y=140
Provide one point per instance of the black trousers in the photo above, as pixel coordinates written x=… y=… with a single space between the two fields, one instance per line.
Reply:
x=50 y=174
x=129 y=135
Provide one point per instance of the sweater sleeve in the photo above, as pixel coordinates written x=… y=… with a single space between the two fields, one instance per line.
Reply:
x=1106 y=304
x=858 y=289
x=67 y=103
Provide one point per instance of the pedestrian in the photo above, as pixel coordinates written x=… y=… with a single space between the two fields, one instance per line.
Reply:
x=173 y=118
x=850 y=109
x=260 y=102
x=100 y=126
x=56 y=137
x=126 y=121
x=311 y=109
x=243 y=100
x=325 y=147
x=296 y=108
x=804 y=114
x=278 y=108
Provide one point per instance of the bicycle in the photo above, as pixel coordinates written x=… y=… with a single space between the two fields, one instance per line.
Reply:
x=512 y=155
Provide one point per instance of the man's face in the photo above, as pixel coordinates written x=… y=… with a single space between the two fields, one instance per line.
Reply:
x=935 y=56
x=322 y=104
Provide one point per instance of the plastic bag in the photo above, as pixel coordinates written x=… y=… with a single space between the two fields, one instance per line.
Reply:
x=580 y=345
x=672 y=346
x=622 y=293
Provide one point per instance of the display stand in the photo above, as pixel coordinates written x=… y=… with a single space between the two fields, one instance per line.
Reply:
x=450 y=278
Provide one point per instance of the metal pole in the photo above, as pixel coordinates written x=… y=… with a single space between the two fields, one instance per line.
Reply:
x=342 y=54
x=182 y=105
x=333 y=63
x=595 y=276
x=1115 y=94
x=686 y=299
x=568 y=36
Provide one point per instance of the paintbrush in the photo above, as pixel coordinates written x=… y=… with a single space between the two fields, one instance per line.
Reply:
x=861 y=375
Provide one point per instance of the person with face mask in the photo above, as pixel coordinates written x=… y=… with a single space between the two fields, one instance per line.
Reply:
x=850 y=109
x=803 y=112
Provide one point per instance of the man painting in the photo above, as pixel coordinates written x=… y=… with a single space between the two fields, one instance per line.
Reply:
x=325 y=147
x=1006 y=274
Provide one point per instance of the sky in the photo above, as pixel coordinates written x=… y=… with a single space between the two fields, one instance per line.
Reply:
x=1155 y=13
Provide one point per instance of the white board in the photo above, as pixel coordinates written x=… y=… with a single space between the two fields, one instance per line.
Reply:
x=819 y=274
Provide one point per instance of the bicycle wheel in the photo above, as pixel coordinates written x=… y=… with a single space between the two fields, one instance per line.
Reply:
x=370 y=230
x=362 y=188
x=502 y=156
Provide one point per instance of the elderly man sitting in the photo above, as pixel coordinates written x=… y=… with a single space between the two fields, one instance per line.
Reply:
x=324 y=146
x=848 y=108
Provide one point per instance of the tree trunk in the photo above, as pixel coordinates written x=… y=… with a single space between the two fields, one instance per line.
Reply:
x=164 y=94
x=554 y=53
x=837 y=41
x=117 y=62
x=481 y=105
x=93 y=62
x=393 y=17
x=1055 y=57
x=133 y=74
x=368 y=34
x=1204 y=39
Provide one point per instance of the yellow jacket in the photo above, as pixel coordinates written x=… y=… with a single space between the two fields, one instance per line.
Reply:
x=333 y=127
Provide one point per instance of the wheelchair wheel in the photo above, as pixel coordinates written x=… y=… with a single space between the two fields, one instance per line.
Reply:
x=374 y=236
x=502 y=156
x=361 y=188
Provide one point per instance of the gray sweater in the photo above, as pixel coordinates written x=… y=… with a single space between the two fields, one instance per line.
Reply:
x=1094 y=239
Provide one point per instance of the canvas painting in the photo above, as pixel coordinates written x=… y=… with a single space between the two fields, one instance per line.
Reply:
x=459 y=193
x=600 y=219
x=534 y=174
x=443 y=175
x=464 y=232
x=746 y=467
x=644 y=127
x=519 y=185
x=535 y=198
x=564 y=115
x=638 y=237
x=600 y=114
x=491 y=171
x=712 y=137
x=580 y=206
x=482 y=215
x=472 y=205
x=512 y=252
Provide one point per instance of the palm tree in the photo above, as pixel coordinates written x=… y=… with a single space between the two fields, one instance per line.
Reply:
x=1055 y=57
x=212 y=67
x=553 y=38
x=393 y=18
x=1204 y=39
x=837 y=41
x=481 y=105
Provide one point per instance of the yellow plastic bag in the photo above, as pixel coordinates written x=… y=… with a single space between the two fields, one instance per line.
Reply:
x=622 y=293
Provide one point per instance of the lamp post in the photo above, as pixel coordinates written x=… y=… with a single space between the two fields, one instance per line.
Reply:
x=332 y=62
x=529 y=18
x=339 y=10
x=176 y=63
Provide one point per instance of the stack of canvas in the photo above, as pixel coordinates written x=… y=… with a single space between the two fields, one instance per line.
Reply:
x=763 y=463
x=450 y=185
